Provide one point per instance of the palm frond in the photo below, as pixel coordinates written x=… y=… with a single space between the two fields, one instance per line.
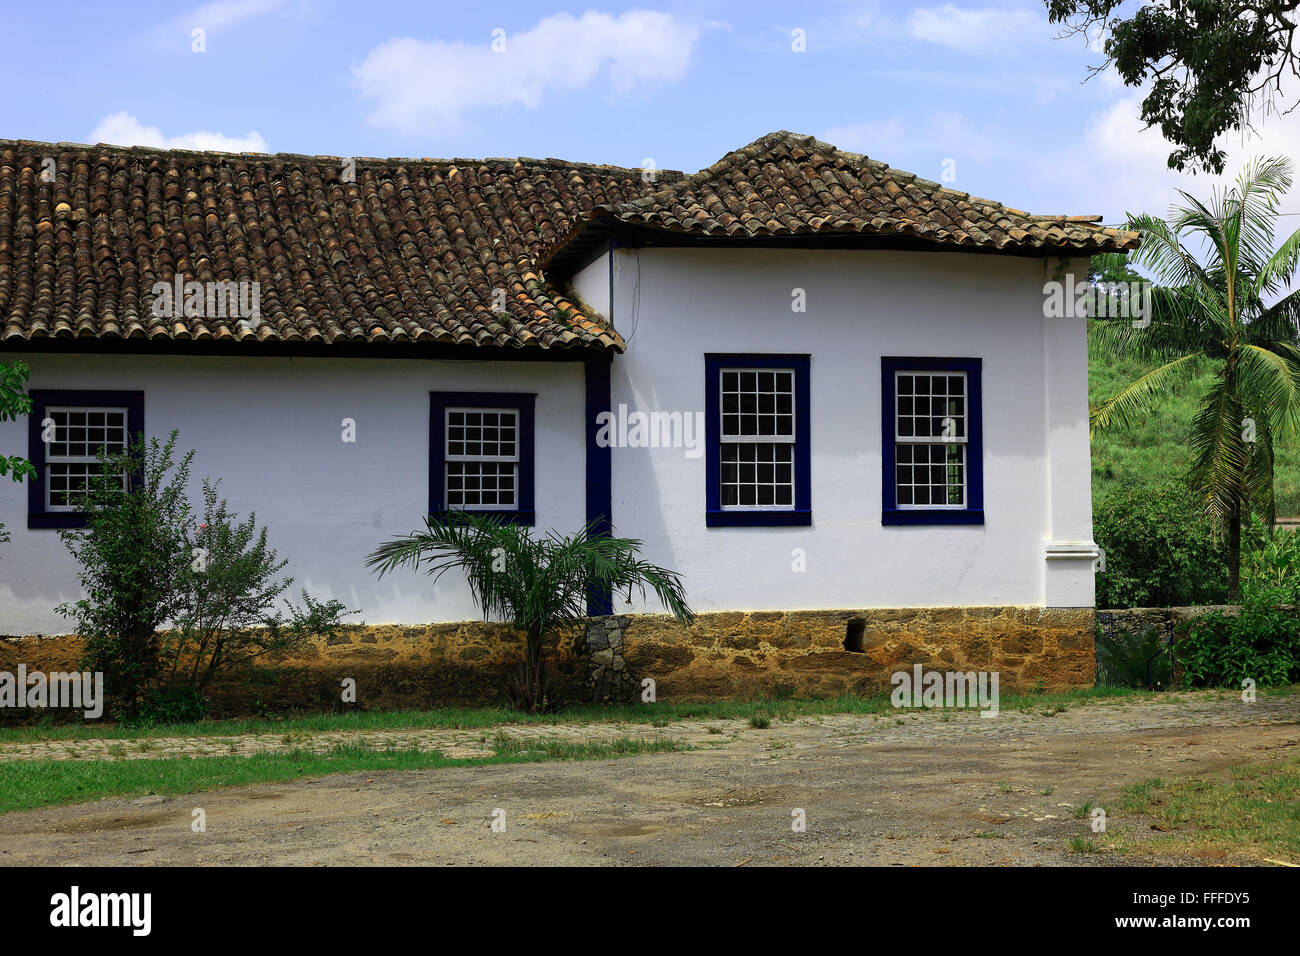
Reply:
x=1163 y=254
x=1278 y=268
x=1272 y=380
x=1141 y=396
x=1220 y=453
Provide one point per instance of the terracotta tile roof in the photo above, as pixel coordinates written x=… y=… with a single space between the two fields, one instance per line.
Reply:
x=413 y=252
x=785 y=185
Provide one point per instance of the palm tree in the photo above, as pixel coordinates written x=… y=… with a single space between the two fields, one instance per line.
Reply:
x=1215 y=311
x=537 y=585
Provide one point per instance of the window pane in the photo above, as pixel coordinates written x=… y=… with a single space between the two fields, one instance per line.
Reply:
x=930 y=474
x=931 y=406
x=79 y=436
x=482 y=484
x=757 y=475
x=485 y=434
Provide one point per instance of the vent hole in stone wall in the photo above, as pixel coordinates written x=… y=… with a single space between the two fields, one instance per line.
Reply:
x=854 y=634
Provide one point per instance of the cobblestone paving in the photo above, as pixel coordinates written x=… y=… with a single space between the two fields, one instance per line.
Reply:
x=1206 y=710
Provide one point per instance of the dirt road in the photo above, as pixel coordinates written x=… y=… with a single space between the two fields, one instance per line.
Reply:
x=907 y=791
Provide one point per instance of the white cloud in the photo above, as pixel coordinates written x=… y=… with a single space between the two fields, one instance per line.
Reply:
x=123 y=129
x=981 y=30
x=221 y=14
x=423 y=85
x=875 y=138
x=899 y=142
x=1117 y=167
x=213 y=18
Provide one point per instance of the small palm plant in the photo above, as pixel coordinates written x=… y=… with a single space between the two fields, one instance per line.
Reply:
x=1215 y=311
x=537 y=585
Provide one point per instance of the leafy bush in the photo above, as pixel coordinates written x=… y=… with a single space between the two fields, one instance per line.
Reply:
x=14 y=402
x=133 y=552
x=224 y=616
x=1270 y=559
x=146 y=564
x=1262 y=643
x=1159 y=551
x=1122 y=659
x=181 y=704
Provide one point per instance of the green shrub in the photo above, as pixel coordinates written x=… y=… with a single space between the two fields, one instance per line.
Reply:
x=1270 y=560
x=1159 y=552
x=225 y=616
x=170 y=602
x=1262 y=643
x=14 y=403
x=133 y=552
x=1122 y=659
x=174 y=705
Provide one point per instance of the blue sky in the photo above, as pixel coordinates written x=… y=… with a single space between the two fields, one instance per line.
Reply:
x=984 y=87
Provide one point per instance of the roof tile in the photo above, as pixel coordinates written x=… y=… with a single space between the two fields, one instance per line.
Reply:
x=415 y=250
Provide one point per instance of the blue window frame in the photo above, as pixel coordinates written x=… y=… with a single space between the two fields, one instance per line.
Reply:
x=78 y=423
x=481 y=454
x=932 y=441
x=758 y=440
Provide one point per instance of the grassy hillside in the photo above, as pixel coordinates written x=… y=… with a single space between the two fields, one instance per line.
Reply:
x=1155 y=448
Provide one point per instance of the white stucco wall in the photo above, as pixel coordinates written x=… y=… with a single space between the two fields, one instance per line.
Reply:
x=672 y=305
x=270 y=429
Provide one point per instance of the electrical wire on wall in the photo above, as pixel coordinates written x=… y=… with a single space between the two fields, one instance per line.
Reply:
x=636 y=299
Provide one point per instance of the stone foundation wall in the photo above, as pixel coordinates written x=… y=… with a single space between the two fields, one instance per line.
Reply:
x=1130 y=620
x=722 y=655
x=462 y=664
x=1127 y=626
x=807 y=653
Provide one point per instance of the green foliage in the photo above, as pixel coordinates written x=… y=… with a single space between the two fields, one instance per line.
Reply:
x=14 y=402
x=180 y=704
x=1122 y=659
x=1159 y=551
x=170 y=603
x=1215 y=314
x=537 y=585
x=133 y=554
x=1262 y=644
x=1153 y=448
x=1203 y=67
x=227 y=590
x=1272 y=560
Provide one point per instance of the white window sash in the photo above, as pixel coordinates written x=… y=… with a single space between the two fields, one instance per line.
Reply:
x=511 y=413
x=965 y=470
x=514 y=487
x=446 y=445
x=52 y=459
x=791 y=439
x=937 y=439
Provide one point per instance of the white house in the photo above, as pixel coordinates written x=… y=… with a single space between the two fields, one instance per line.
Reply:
x=857 y=397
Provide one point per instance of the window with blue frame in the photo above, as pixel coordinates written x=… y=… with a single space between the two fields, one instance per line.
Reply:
x=933 y=449
x=758 y=447
x=67 y=430
x=481 y=454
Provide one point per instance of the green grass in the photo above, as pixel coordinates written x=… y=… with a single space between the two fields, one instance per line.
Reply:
x=470 y=718
x=25 y=784
x=1253 y=810
x=1154 y=448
